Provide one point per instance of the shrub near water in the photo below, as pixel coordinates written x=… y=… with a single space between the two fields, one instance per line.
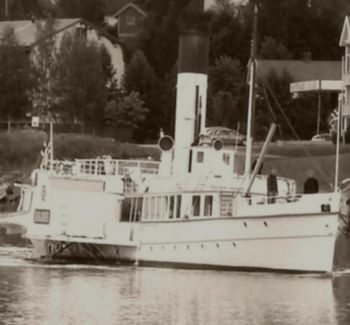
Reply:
x=70 y=146
x=20 y=150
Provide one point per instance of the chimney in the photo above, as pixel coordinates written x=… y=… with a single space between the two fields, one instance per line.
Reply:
x=191 y=96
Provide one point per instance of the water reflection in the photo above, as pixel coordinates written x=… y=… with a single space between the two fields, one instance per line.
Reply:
x=127 y=295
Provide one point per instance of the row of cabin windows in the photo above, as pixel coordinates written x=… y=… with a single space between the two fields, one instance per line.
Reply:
x=164 y=207
x=207 y=208
x=225 y=157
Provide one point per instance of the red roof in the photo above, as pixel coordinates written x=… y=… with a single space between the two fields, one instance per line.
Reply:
x=113 y=6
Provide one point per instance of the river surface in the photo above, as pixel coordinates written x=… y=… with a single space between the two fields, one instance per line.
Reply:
x=32 y=293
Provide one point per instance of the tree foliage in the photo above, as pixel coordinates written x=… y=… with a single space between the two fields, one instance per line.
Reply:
x=125 y=111
x=81 y=84
x=141 y=78
x=43 y=68
x=91 y=10
x=14 y=81
x=226 y=85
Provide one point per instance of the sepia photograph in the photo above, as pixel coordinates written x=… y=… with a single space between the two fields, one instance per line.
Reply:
x=176 y=162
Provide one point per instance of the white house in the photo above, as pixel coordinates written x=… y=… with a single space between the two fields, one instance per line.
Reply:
x=26 y=32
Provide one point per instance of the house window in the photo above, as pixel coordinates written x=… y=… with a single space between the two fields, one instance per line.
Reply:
x=347 y=60
x=130 y=20
x=196 y=203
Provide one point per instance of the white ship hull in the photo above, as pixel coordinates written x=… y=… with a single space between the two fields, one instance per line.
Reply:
x=304 y=243
x=279 y=243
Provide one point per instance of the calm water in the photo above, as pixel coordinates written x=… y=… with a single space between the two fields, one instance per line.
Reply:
x=31 y=293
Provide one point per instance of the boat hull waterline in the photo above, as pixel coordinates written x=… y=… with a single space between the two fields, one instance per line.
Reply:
x=303 y=243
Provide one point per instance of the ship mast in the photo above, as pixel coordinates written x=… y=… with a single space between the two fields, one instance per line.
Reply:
x=251 y=103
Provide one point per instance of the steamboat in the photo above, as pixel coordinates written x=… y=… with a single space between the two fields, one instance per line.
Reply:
x=193 y=209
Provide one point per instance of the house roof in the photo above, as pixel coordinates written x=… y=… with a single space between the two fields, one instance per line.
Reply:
x=301 y=70
x=115 y=7
x=26 y=30
x=345 y=33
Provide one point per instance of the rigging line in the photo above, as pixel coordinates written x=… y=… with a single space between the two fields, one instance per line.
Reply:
x=320 y=169
x=268 y=102
x=269 y=105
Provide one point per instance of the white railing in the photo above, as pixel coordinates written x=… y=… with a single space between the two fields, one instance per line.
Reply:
x=112 y=167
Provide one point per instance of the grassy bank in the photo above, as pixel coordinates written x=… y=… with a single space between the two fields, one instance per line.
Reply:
x=20 y=151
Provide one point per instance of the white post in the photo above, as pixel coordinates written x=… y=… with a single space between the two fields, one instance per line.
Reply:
x=251 y=103
x=51 y=145
x=236 y=140
x=249 y=144
x=336 y=177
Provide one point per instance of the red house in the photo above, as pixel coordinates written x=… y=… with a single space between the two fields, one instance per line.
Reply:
x=127 y=15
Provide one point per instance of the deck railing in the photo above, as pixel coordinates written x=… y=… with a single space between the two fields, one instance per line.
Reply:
x=112 y=167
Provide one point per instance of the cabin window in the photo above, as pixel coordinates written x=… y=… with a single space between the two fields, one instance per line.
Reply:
x=226 y=158
x=152 y=207
x=200 y=156
x=138 y=209
x=146 y=209
x=165 y=207
x=196 y=203
x=158 y=214
x=208 y=205
x=178 y=206
x=171 y=207
x=130 y=20
x=126 y=206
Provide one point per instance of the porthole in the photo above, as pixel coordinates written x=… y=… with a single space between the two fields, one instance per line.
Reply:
x=245 y=224
x=266 y=224
x=234 y=244
x=217 y=245
x=202 y=246
x=327 y=226
x=188 y=246
x=175 y=247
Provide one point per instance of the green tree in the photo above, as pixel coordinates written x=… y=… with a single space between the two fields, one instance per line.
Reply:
x=141 y=78
x=275 y=103
x=273 y=50
x=43 y=69
x=125 y=111
x=91 y=10
x=81 y=82
x=14 y=81
x=226 y=85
